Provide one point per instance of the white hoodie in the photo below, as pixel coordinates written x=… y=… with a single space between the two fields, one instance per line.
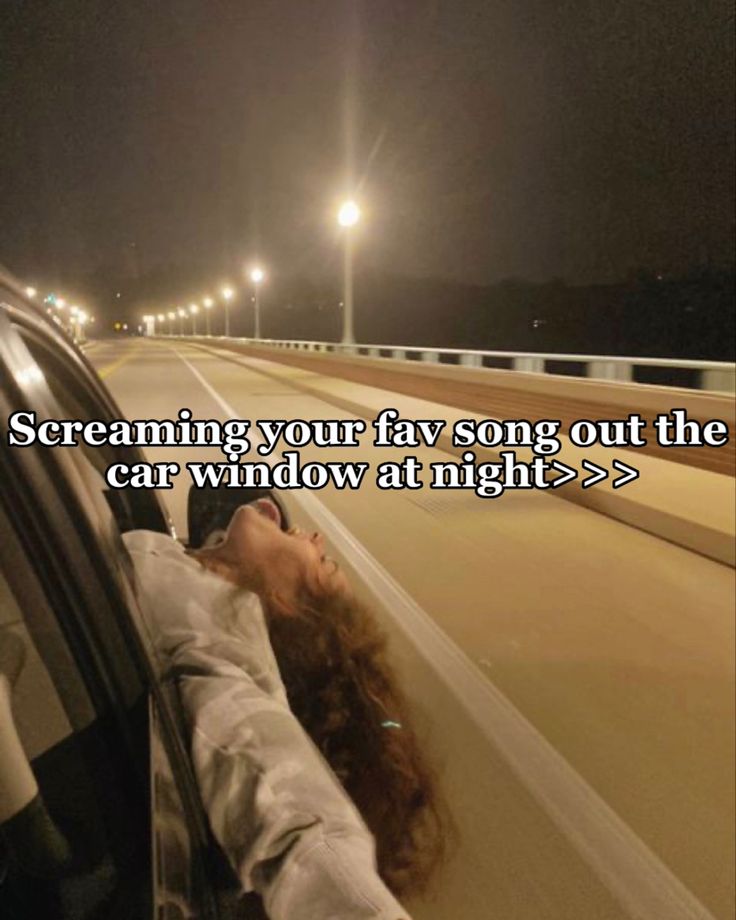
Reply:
x=281 y=816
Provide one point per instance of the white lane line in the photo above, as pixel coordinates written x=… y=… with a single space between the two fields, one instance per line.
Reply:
x=634 y=875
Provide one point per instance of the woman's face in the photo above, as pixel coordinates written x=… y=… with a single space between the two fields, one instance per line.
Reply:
x=277 y=565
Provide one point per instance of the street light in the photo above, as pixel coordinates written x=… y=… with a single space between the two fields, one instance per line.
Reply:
x=73 y=327
x=256 y=276
x=77 y=320
x=182 y=313
x=348 y=216
x=31 y=291
x=193 y=310
x=227 y=293
x=161 y=319
x=171 y=317
x=81 y=321
x=208 y=303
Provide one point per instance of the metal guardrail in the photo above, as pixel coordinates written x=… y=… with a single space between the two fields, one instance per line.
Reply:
x=714 y=376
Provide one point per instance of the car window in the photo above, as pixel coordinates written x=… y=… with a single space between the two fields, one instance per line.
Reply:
x=76 y=399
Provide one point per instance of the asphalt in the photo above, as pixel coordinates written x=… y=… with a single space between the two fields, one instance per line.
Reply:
x=603 y=652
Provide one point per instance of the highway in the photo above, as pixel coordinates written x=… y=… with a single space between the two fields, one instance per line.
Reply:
x=572 y=675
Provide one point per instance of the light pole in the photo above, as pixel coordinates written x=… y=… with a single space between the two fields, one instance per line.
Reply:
x=227 y=293
x=348 y=216
x=148 y=320
x=161 y=319
x=172 y=317
x=182 y=313
x=208 y=303
x=256 y=276
x=193 y=310
x=60 y=304
x=81 y=321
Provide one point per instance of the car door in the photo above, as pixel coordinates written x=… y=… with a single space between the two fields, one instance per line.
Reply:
x=100 y=729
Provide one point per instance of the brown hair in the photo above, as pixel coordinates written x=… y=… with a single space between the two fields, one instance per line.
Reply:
x=332 y=658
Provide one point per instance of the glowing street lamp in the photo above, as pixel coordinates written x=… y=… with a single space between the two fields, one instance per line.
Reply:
x=227 y=295
x=31 y=291
x=348 y=216
x=171 y=317
x=81 y=321
x=182 y=313
x=77 y=321
x=208 y=303
x=193 y=311
x=257 y=275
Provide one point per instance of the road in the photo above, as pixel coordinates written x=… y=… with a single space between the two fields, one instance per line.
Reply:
x=572 y=676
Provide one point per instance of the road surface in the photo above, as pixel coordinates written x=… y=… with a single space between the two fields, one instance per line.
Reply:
x=572 y=676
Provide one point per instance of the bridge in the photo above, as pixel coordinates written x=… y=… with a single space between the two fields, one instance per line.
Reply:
x=568 y=651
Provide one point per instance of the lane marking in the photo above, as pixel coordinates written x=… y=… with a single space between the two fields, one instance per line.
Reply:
x=111 y=368
x=636 y=877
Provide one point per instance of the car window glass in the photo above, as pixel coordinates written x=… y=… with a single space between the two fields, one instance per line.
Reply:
x=132 y=509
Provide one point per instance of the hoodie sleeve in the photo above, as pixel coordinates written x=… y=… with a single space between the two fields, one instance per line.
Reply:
x=279 y=813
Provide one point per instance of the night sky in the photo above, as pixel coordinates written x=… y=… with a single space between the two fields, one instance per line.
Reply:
x=486 y=140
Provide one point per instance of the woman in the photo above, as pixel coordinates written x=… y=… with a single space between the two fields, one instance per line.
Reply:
x=287 y=827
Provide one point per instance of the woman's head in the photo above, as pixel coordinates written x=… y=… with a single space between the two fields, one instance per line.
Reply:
x=332 y=658
x=279 y=566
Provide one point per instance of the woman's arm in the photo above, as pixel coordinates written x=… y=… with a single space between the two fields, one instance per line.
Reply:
x=278 y=812
x=274 y=806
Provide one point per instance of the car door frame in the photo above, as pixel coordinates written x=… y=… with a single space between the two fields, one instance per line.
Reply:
x=79 y=558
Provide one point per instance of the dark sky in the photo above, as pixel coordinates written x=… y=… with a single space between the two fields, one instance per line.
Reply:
x=490 y=138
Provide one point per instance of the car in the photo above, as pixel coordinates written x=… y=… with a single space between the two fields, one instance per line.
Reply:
x=100 y=814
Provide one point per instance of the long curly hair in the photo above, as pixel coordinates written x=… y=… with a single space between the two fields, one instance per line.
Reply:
x=332 y=657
